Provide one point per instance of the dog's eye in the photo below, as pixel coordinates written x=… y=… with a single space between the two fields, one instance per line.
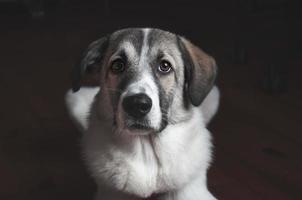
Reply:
x=117 y=66
x=164 y=67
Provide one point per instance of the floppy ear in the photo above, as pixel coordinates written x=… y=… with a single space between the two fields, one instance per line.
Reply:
x=89 y=63
x=200 y=71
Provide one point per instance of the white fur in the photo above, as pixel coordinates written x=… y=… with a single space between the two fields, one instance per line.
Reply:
x=78 y=104
x=175 y=160
x=210 y=105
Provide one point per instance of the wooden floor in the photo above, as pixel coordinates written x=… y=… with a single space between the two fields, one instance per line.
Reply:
x=257 y=135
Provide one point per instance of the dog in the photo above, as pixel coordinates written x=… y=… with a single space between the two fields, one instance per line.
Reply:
x=151 y=94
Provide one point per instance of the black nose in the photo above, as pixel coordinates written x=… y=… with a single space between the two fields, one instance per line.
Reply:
x=137 y=105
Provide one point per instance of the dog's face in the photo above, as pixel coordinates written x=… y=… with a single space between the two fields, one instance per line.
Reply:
x=149 y=78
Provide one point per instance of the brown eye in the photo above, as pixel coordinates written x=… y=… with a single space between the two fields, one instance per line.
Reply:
x=117 y=66
x=164 y=67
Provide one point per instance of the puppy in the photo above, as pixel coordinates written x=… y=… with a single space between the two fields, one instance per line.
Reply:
x=144 y=122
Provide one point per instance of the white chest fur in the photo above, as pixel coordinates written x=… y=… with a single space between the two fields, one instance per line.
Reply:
x=175 y=159
x=142 y=165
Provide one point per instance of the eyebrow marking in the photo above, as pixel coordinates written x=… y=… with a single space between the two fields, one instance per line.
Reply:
x=129 y=49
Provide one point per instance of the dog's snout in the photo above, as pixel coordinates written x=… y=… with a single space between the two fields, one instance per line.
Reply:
x=137 y=105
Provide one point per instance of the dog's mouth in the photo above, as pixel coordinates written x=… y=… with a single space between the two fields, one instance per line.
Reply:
x=140 y=127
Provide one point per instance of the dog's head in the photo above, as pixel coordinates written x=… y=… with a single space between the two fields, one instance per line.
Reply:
x=148 y=77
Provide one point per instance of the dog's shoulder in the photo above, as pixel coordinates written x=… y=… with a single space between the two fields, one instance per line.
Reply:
x=78 y=105
x=210 y=105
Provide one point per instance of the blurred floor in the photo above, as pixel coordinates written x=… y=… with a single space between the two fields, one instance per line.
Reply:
x=257 y=135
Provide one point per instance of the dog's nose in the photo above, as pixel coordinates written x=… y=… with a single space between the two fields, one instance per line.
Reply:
x=137 y=105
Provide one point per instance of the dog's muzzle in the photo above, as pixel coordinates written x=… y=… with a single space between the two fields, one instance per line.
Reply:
x=138 y=105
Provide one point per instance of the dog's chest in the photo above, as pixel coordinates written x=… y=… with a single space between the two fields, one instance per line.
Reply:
x=145 y=165
x=154 y=165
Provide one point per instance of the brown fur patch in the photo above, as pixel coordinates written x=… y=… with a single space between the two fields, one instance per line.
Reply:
x=202 y=73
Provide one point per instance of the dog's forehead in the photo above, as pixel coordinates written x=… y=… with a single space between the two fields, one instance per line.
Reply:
x=157 y=37
x=131 y=36
x=138 y=37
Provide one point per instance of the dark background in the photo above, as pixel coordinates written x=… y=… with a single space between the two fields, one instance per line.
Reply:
x=257 y=131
